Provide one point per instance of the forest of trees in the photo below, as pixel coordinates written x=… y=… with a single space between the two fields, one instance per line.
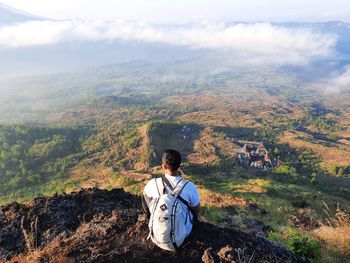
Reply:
x=30 y=156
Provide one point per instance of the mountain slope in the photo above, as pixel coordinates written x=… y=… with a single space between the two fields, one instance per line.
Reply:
x=105 y=226
x=12 y=15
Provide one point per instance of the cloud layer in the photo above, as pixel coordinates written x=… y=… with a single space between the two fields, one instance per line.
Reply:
x=254 y=42
x=340 y=81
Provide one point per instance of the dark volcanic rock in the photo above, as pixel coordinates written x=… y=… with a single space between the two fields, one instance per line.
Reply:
x=105 y=226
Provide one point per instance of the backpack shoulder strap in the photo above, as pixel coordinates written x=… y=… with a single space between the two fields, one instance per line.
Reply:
x=167 y=182
x=178 y=189
x=172 y=188
x=160 y=186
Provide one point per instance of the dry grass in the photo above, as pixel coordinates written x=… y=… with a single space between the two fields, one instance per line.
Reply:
x=212 y=198
x=252 y=186
x=337 y=238
x=233 y=108
x=31 y=241
x=210 y=147
x=31 y=237
x=52 y=251
x=335 y=233
x=330 y=155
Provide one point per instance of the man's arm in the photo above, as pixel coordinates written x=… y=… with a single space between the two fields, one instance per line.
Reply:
x=195 y=204
x=145 y=201
x=195 y=208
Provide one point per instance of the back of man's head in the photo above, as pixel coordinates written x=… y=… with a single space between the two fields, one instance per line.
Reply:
x=172 y=159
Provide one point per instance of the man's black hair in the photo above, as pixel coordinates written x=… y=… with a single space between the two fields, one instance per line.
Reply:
x=172 y=159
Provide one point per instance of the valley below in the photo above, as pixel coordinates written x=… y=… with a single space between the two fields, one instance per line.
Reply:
x=107 y=128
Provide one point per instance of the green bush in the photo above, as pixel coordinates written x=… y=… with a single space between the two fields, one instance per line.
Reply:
x=313 y=178
x=285 y=169
x=125 y=181
x=341 y=171
x=299 y=244
x=303 y=246
x=275 y=236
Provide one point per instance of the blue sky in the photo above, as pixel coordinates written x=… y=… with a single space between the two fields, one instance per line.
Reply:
x=179 y=10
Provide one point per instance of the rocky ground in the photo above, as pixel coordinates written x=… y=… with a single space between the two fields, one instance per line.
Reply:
x=107 y=226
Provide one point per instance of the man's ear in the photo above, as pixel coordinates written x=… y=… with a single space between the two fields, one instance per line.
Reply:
x=164 y=166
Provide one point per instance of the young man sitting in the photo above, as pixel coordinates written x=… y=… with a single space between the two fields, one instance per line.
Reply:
x=185 y=191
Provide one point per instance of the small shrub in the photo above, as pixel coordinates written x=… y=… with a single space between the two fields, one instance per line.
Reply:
x=333 y=169
x=341 y=171
x=135 y=189
x=275 y=236
x=307 y=248
x=125 y=182
x=313 y=178
x=285 y=169
x=298 y=243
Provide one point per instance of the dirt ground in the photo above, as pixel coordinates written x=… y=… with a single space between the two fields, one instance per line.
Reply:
x=108 y=226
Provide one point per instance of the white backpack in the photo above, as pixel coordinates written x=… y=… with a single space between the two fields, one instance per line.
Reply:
x=167 y=224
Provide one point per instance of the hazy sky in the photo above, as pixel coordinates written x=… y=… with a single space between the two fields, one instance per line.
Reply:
x=170 y=10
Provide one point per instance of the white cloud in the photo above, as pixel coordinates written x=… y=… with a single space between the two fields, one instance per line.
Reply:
x=255 y=42
x=340 y=82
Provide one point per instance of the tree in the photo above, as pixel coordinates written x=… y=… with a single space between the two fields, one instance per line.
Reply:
x=276 y=151
x=313 y=178
x=341 y=171
x=333 y=169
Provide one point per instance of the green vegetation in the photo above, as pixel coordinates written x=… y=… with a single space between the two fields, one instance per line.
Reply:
x=33 y=159
x=211 y=214
x=300 y=244
x=303 y=246
x=338 y=170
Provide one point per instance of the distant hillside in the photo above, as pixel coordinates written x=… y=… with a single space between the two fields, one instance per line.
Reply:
x=12 y=15
x=106 y=226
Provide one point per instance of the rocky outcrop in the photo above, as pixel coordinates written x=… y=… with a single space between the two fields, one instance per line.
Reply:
x=107 y=226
